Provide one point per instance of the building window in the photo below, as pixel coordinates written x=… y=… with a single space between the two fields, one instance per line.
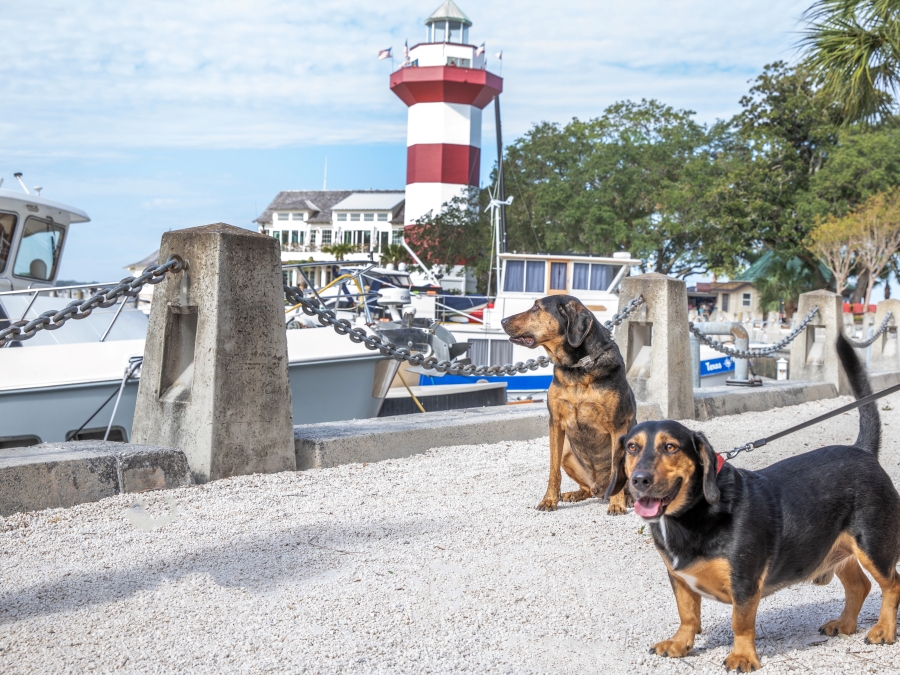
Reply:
x=342 y=216
x=326 y=237
x=455 y=32
x=39 y=249
x=268 y=233
x=312 y=236
x=297 y=216
x=382 y=217
x=369 y=217
x=535 y=271
x=459 y=62
x=354 y=217
x=558 y=276
x=724 y=302
x=276 y=234
x=283 y=216
x=295 y=237
x=397 y=236
x=587 y=277
x=745 y=300
x=383 y=239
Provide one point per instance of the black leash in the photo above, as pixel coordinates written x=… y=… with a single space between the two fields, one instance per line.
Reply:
x=749 y=447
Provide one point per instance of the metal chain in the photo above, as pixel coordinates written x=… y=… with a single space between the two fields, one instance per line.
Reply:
x=753 y=353
x=358 y=335
x=865 y=343
x=619 y=318
x=79 y=309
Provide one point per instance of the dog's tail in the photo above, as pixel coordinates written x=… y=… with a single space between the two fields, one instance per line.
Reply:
x=869 y=422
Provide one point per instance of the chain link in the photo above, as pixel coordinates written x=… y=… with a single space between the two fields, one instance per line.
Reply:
x=327 y=317
x=79 y=309
x=753 y=353
x=865 y=343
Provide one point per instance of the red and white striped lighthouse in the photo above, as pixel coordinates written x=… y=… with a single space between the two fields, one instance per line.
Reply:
x=446 y=85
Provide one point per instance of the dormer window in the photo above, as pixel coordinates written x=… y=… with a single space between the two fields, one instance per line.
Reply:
x=298 y=216
x=283 y=216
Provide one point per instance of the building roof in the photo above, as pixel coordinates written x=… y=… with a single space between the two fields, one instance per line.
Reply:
x=370 y=201
x=448 y=10
x=320 y=202
x=151 y=259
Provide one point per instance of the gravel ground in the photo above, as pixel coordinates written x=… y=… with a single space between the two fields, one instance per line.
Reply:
x=437 y=563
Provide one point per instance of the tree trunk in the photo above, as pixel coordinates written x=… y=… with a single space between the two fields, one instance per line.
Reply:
x=862 y=285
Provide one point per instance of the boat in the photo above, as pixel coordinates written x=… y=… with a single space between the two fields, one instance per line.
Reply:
x=81 y=382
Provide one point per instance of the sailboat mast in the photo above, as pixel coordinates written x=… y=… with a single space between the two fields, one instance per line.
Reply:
x=501 y=189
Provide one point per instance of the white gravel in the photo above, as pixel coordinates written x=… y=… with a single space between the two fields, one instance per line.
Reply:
x=433 y=564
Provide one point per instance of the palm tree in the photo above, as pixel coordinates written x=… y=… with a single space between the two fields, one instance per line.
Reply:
x=393 y=254
x=853 y=50
x=339 y=250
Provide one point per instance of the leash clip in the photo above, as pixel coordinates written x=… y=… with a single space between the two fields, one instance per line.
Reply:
x=747 y=447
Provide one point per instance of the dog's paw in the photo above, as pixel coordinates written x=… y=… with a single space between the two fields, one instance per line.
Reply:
x=879 y=635
x=675 y=649
x=743 y=663
x=577 y=496
x=832 y=628
x=616 y=509
x=547 y=505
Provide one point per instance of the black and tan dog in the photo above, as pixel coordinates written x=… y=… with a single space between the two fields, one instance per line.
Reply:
x=589 y=400
x=735 y=536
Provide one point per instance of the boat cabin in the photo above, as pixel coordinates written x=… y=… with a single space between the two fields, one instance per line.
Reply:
x=32 y=235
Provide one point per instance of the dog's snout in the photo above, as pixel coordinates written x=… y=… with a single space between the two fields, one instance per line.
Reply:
x=642 y=479
x=505 y=320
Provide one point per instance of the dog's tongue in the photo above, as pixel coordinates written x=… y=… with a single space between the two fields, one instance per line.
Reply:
x=648 y=508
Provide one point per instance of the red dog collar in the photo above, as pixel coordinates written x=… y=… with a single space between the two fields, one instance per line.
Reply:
x=720 y=462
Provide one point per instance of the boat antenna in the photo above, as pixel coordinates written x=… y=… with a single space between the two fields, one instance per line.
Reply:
x=18 y=177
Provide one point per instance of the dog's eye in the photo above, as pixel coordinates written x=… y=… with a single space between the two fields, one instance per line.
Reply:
x=632 y=448
x=671 y=448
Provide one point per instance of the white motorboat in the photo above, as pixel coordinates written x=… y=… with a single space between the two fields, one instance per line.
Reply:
x=81 y=381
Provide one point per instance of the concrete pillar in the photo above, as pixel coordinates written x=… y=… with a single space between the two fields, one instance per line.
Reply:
x=773 y=328
x=655 y=344
x=813 y=354
x=885 y=355
x=215 y=379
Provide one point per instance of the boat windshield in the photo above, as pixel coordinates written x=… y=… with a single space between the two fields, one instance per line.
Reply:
x=7 y=228
x=39 y=250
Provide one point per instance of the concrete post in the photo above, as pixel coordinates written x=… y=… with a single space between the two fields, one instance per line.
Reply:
x=215 y=379
x=655 y=344
x=773 y=328
x=813 y=354
x=884 y=353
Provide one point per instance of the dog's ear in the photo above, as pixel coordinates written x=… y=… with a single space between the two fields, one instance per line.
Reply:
x=617 y=478
x=580 y=319
x=709 y=462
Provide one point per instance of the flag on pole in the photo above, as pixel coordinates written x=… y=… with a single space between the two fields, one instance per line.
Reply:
x=385 y=54
x=480 y=50
x=406 y=50
x=499 y=55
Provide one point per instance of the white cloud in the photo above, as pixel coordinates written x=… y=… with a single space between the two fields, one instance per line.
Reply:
x=95 y=76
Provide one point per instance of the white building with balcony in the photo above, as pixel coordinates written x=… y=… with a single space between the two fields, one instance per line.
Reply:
x=306 y=221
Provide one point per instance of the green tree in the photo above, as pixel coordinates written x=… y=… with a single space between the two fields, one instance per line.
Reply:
x=766 y=158
x=459 y=235
x=633 y=178
x=339 y=250
x=394 y=254
x=853 y=50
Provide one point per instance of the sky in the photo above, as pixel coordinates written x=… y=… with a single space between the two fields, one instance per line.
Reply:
x=162 y=115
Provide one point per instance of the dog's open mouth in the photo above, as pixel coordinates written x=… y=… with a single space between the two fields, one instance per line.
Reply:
x=524 y=340
x=653 y=507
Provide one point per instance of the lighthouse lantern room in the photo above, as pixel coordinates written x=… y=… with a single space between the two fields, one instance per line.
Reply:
x=446 y=85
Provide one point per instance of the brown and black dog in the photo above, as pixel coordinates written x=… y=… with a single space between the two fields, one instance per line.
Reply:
x=590 y=402
x=736 y=536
